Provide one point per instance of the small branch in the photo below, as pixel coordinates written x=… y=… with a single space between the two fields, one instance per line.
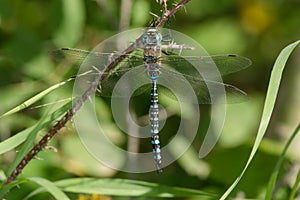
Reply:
x=164 y=5
x=169 y=13
x=92 y=89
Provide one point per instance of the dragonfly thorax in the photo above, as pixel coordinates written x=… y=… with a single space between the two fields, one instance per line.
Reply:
x=151 y=37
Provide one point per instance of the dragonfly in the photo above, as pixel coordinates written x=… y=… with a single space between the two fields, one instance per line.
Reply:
x=155 y=60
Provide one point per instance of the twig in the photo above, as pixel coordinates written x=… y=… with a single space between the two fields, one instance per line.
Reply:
x=168 y=13
x=164 y=5
x=92 y=89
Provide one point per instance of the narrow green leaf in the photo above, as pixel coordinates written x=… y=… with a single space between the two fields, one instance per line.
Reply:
x=14 y=141
x=4 y=189
x=295 y=187
x=268 y=107
x=35 y=98
x=50 y=187
x=275 y=172
x=123 y=187
x=20 y=137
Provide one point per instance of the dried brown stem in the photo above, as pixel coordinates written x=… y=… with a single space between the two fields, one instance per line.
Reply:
x=169 y=13
x=92 y=89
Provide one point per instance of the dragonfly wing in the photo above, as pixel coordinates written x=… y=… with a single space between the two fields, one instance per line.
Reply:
x=96 y=59
x=206 y=92
x=130 y=71
x=79 y=56
x=130 y=74
x=130 y=82
x=207 y=66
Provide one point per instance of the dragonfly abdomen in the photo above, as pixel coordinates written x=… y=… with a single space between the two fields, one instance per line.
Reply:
x=154 y=127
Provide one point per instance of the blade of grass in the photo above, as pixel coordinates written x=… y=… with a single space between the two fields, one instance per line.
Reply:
x=268 y=107
x=35 y=98
x=275 y=172
x=125 y=188
x=295 y=187
x=4 y=189
x=20 y=137
x=50 y=187
x=15 y=140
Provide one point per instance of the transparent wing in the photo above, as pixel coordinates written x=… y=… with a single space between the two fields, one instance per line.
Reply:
x=96 y=59
x=130 y=76
x=95 y=62
x=207 y=66
x=204 y=75
x=187 y=65
x=204 y=90
x=136 y=81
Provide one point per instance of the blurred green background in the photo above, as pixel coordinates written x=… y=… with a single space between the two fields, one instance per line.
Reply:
x=256 y=29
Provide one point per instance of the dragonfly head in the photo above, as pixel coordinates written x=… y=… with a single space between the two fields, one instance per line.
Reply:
x=151 y=37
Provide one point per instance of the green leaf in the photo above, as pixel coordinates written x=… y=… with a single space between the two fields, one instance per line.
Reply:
x=50 y=187
x=34 y=99
x=14 y=141
x=4 y=189
x=268 y=107
x=20 y=137
x=275 y=172
x=295 y=187
x=123 y=187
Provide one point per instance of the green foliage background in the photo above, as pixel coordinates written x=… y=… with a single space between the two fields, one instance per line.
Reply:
x=257 y=29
